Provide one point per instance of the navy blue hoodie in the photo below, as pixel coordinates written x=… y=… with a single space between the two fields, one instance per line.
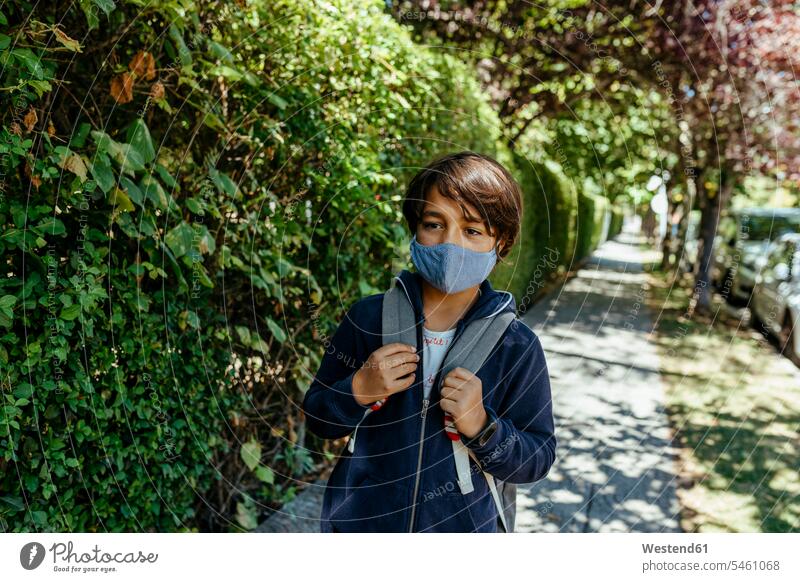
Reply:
x=402 y=476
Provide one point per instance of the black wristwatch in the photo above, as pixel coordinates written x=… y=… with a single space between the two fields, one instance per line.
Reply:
x=486 y=433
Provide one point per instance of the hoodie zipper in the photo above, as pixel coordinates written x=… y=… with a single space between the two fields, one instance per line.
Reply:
x=423 y=415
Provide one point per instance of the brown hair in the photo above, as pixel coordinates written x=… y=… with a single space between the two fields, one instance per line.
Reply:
x=476 y=179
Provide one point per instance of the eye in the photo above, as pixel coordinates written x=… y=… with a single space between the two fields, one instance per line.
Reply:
x=430 y=225
x=473 y=232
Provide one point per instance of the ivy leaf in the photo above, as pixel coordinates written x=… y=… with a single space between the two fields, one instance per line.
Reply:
x=132 y=190
x=8 y=301
x=265 y=474
x=24 y=390
x=183 y=51
x=51 y=226
x=138 y=137
x=6 y=315
x=168 y=178
x=180 y=238
x=15 y=503
x=71 y=312
x=223 y=182
x=251 y=453
x=246 y=516
x=276 y=330
x=121 y=201
x=32 y=62
x=153 y=191
x=101 y=172
x=219 y=51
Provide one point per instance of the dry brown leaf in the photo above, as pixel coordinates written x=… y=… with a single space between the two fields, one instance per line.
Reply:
x=30 y=120
x=74 y=163
x=68 y=42
x=122 y=88
x=157 y=91
x=15 y=128
x=51 y=129
x=143 y=65
x=35 y=180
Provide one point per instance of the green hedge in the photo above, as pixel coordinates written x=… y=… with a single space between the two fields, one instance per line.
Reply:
x=548 y=234
x=561 y=226
x=616 y=223
x=181 y=237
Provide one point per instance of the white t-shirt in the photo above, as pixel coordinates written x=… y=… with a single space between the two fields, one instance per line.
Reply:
x=434 y=346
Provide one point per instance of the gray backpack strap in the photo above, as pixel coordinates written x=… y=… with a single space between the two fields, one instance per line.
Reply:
x=477 y=342
x=471 y=351
x=398 y=323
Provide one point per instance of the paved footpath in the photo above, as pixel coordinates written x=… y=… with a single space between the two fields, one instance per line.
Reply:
x=615 y=466
x=614 y=469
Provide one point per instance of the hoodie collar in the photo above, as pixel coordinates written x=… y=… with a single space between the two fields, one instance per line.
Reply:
x=490 y=301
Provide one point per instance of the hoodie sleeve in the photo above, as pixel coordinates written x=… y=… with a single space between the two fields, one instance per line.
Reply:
x=330 y=408
x=523 y=447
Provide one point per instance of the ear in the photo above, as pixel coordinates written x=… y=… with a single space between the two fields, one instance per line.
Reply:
x=499 y=245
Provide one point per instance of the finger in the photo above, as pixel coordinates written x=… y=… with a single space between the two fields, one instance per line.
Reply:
x=461 y=373
x=402 y=383
x=400 y=371
x=393 y=348
x=448 y=392
x=447 y=406
x=398 y=360
x=454 y=382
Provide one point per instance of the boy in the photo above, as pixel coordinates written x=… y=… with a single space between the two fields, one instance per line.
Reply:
x=464 y=212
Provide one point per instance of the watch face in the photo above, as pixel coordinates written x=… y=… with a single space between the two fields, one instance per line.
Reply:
x=487 y=433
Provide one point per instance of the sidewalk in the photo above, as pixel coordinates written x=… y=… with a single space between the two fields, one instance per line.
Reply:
x=615 y=468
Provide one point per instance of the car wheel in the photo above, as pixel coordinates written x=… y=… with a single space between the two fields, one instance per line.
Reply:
x=787 y=340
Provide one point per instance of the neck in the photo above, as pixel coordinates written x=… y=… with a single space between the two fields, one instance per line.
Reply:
x=443 y=310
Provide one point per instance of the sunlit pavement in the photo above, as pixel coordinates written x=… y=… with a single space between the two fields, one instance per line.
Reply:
x=615 y=467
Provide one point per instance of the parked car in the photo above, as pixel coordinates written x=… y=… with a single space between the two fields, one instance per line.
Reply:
x=775 y=304
x=742 y=240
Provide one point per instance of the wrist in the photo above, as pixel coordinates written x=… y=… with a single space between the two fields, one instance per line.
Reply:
x=357 y=388
x=481 y=424
x=487 y=433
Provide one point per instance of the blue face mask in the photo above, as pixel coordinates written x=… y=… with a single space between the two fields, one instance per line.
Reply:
x=451 y=268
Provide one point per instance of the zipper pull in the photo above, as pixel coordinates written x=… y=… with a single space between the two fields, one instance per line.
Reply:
x=425 y=402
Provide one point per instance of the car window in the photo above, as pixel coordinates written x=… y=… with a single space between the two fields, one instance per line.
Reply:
x=768 y=227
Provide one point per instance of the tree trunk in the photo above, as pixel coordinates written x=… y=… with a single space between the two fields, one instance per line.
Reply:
x=666 y=244
x=683 y=227
x=711 y=209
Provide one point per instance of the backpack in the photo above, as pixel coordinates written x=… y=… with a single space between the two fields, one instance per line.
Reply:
x=470 y=350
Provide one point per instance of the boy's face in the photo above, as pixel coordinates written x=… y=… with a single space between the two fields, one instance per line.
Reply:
x=443 y=221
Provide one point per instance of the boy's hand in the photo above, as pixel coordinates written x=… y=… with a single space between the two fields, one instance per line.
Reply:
x=462 y=398
x=389 y=369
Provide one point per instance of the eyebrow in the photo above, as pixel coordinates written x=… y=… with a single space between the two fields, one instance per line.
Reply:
x=470 y=219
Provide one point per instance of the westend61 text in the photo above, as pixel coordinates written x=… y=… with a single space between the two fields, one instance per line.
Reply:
x=675 y=549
